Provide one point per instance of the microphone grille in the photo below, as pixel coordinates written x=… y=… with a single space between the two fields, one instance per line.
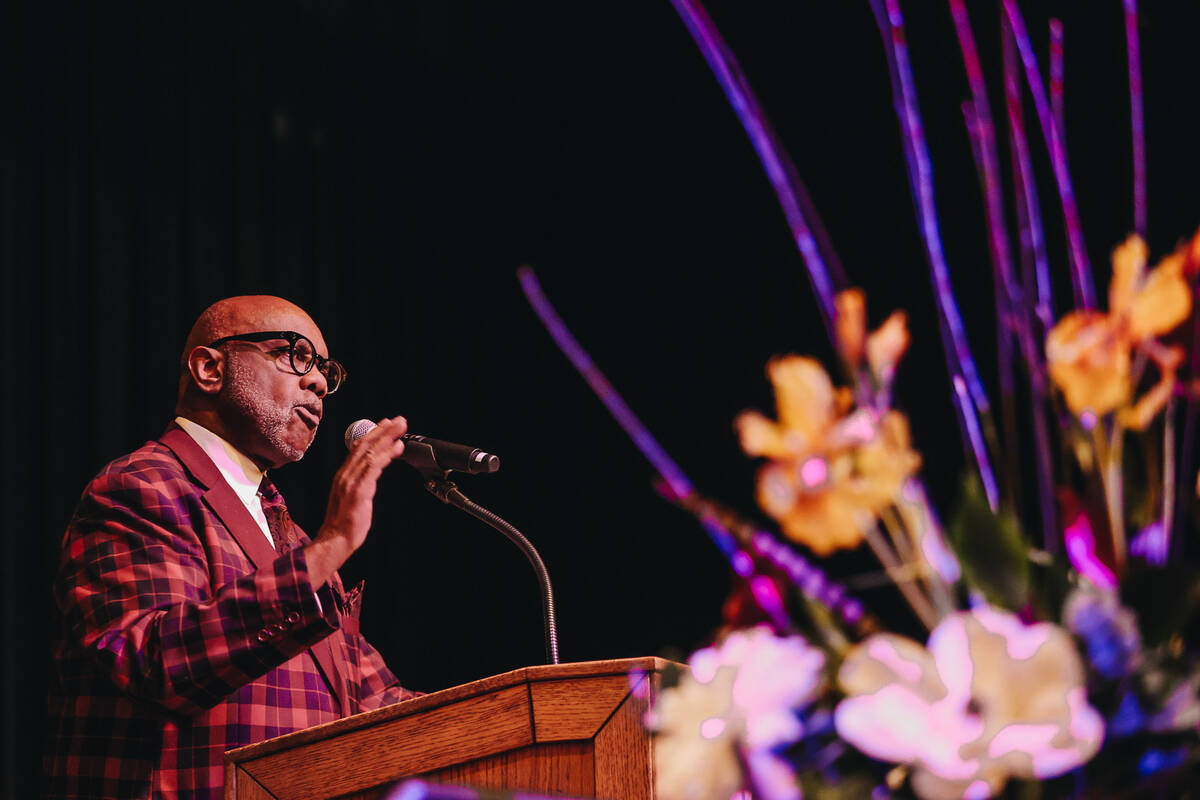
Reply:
x=357 y=430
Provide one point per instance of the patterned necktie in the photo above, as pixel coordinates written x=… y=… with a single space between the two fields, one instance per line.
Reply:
x=279 y=522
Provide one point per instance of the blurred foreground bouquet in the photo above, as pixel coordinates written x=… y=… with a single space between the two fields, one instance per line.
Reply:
x=1077 y=660
x=1062 y=655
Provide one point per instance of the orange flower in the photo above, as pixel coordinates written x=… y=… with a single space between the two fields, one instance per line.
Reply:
x=831 y=471
x=883 y=348
x=1090 y=354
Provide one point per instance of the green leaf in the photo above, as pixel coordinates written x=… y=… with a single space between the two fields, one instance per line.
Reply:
x=1050 y=583
x=991 y=549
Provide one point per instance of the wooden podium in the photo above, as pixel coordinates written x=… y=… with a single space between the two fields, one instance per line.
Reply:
x=570 y=729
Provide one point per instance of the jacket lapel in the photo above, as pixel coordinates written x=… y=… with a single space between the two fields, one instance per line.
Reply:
x=220 y=497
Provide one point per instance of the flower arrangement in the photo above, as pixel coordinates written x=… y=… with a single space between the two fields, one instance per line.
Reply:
x=1061 y=656
x=1049 y=667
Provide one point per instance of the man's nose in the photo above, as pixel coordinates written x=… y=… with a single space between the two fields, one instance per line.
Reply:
x=314 y=380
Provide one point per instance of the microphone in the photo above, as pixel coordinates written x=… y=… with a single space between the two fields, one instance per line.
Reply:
x=422 y=451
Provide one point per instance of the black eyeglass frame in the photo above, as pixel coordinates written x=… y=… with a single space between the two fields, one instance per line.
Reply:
x=291 y=337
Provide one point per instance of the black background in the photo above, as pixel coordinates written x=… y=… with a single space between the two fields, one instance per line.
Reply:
x=389 y=165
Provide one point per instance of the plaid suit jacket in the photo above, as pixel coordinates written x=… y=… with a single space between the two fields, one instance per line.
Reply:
x=183 y=634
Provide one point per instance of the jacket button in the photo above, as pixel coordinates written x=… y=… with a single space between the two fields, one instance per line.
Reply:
x=263 y=636
x=293 y=617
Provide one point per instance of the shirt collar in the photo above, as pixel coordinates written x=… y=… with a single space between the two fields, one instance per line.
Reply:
x=242 y=474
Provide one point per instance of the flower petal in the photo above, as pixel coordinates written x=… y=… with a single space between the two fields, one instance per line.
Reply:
x=1129 y=265
x=1089 y=361
x=804 y=395
x=887 y=344
x=824 y=521
x=1161 y=304
x=761 y=436
x=850 y=309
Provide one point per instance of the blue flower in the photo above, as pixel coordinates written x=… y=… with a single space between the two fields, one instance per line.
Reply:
x=1107 y=628
x=1157 y=760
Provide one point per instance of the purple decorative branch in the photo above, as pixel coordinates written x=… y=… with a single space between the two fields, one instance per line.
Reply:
x=1137 y=118
x=824 y=268
x=1007 y=320
x=1056 y=75
x=622 y=413
x=984 y=132
x=1081 y=271
x=1029 y=212
x=975 y=439
x=740 y=533
x=809 y=579
x=675 y=485
x=973 y=403
x=1015 y=310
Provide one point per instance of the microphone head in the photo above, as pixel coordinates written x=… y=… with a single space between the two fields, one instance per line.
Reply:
x=357 y=430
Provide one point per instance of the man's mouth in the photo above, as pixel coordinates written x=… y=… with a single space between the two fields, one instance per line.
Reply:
x=311 y=418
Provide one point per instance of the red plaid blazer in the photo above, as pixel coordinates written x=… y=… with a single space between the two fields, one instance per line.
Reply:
x=183 y=634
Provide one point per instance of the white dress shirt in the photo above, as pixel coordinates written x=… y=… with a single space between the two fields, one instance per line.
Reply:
x=242 y=474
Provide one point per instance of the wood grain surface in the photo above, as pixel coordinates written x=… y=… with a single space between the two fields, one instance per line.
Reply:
x=250 y=789
x=399 y=748
x=575 y=708
x=624 y=749
x=568 y=729
x=564 y=768
x=524 y=675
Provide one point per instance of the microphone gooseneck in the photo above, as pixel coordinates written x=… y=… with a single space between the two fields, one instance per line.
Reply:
x=447 y=492
x=435 y=459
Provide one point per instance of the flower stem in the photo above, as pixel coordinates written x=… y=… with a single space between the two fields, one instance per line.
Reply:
x=887 y=557
x=1110 y=458
x=1168 y=496
x=908 y=544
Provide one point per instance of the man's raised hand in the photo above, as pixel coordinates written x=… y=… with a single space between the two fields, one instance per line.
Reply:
x=351 y=498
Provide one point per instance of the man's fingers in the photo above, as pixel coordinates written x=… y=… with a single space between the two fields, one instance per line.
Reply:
x=386 y=430
x=391 y=445
x=378 y=448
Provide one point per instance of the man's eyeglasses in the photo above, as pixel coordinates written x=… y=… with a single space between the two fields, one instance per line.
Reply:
x=302 y=355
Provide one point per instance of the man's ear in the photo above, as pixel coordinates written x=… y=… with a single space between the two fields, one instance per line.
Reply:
x=207 y=367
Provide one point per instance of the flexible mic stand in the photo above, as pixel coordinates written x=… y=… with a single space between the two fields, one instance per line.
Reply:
x=438 y=483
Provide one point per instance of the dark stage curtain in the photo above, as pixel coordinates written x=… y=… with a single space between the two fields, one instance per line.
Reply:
x=163 y=155
x=388 y=165
x=359 y=159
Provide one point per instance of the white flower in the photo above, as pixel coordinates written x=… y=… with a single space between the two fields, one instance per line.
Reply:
x=737 y=705
x=991 y=698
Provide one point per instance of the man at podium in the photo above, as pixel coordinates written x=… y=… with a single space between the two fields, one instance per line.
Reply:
x=194 y=615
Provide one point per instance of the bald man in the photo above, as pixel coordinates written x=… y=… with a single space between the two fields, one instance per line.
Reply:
x=195 y=616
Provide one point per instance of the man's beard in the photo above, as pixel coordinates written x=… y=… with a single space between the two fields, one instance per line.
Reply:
x=258 y=413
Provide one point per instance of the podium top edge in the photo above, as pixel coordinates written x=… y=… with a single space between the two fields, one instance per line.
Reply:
x=578 y=670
